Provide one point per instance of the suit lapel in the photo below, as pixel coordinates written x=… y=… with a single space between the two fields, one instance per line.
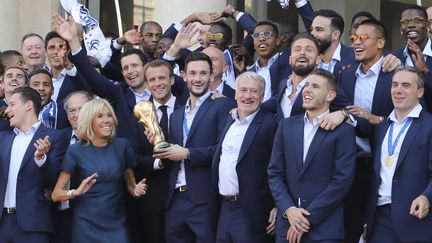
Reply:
x=350 y=83
x=410 y=136
x=382 y=90
x=130 y=97
x=6 y=157
x=298 y=134
x=297 y=107
x=205 y=106
x=379 y=140
x=313 y=148
x=250 y=135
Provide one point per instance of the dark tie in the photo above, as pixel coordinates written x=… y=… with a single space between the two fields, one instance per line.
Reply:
x=164 y=120
x=75 y=138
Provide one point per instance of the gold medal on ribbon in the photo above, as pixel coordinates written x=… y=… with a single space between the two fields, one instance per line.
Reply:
x=389 y=161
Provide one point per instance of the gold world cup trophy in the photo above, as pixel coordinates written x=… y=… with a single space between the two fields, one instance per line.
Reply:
x=145 y=111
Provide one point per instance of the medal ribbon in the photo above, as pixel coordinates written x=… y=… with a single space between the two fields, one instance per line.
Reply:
x=391 y=147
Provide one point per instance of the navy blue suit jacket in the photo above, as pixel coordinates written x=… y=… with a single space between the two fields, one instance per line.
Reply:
x=347 y=58
x=320 y=183
x=228 y=91
x=204 y=135
x=412 y=178
x=381 y=104
x=33 y=209
x=251 y=168
x=4 y=123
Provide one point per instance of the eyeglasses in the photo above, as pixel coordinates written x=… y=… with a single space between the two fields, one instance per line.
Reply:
x=415 y=20
x=265 y=34
x=217 y=36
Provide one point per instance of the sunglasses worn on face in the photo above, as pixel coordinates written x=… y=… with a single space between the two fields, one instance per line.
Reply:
x=415 y=20
x=362 y=37
x=265 y=34
x=217 y=36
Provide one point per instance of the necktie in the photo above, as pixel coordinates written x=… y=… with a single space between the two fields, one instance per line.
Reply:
x=164 y=120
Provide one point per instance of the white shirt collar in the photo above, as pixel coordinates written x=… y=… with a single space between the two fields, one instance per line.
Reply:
x=247 y=120
x=199 y=101
x=269 y=63
x=415 y=113
x=316 y=120
x=375 y=69
x=337 y=54
x=170 y=103
x=427 y=51
x=219 y=88
x=32 y=129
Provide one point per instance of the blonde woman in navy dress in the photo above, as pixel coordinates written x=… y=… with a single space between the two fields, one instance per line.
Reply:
x=100 y=162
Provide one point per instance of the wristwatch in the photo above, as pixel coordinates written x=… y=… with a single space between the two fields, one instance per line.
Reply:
x=345 y=113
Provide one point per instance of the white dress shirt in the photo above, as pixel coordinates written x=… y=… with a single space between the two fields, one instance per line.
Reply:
x=219 y=89
x=265 y=73
x=386 y=173
x=287 y=103
x=170 y=109
x=19 y=146
x=364 y=92
x=141 y=96
x=189 y=117
x=333 y=61
x=228 y=180
x=58 y=82
x=427 y=52
x=310 y=129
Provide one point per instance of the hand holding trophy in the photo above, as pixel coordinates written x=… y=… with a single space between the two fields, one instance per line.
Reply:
x=145 y=111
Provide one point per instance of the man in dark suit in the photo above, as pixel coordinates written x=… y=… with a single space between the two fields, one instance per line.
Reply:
x=418 y=51
x=368 y=88
x=30 y=161
x=311 y=169
x=303 y=60
x=194 y=133
x=401 y=184
x=147 y=215
x=219 y=66
x=328 y=27
x=239 y=167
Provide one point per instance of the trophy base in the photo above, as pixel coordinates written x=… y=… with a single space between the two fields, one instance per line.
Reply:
x=161 y=145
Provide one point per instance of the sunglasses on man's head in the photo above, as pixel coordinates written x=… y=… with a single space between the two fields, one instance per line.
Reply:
x=265 y=34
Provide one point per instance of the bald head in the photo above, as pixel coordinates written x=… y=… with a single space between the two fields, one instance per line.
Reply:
x=218 y=62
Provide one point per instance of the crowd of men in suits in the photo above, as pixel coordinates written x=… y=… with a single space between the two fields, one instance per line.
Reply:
x=313 y=141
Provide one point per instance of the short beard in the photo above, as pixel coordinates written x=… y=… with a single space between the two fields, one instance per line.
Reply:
x=324 y=46
x=303 y=71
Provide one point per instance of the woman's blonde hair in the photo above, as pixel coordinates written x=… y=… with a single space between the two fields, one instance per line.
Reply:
x=86 y=115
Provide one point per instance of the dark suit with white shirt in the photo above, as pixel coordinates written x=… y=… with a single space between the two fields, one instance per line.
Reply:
x=33 y=208
x=317 y=183
x=191 y=213
x=412 y=177
x=254 y=201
